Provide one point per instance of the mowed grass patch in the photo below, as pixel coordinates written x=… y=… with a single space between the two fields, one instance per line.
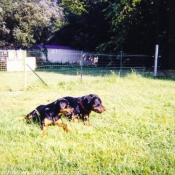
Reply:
x=135 y=135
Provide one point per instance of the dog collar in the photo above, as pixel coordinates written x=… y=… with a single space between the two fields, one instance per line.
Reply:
x=82 y=106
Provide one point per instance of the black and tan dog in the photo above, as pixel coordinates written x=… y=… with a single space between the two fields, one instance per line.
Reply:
x=83 y=107
x=51 y=114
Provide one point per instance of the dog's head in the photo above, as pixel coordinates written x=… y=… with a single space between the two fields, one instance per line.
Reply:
x=65 y=108
x=92 y=102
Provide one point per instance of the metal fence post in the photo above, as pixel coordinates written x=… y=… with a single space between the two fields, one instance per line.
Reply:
x=25 y=77
x=121 y=55
x=81 y=64
x=156 y=60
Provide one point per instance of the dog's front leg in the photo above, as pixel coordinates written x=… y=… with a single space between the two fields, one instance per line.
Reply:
x=86 y=119
x=69 y=117
x=75 y=118
x=44 y=125
x=60 y=123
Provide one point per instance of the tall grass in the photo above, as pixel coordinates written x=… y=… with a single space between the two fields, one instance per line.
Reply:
x=135 y=135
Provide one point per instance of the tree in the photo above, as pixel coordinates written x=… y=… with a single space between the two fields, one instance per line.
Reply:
x=72 y=6
x=30 y=21
x=5 y=12
x=102 y=25
x=129 y=22
x=170 y=45
x=87 y=30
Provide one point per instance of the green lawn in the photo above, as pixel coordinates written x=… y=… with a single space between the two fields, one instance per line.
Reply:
x=135 y=135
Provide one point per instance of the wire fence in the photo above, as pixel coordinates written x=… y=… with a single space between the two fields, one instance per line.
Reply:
x=36 y=65
x=11 y=79
x=67 y=60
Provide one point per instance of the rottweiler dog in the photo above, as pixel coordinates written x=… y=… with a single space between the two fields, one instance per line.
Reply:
x=51 y=114
x=82 y=107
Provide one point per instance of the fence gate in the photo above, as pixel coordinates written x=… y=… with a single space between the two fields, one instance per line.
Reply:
x=12 y=70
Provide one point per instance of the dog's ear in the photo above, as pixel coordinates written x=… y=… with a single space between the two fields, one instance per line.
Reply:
x=63 y=103
x=88 y=99
x=92 y=97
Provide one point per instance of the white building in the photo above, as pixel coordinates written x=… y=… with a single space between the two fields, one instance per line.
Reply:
x=61 y=54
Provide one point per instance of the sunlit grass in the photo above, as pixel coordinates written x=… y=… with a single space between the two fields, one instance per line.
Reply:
x=135 y=135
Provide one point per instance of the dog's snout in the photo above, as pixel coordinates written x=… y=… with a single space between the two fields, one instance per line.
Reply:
x=103 y=108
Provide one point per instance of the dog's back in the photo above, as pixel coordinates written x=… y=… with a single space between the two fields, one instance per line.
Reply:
x=72 y=101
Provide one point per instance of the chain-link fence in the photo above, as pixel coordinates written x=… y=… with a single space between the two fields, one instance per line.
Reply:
x=39 y=66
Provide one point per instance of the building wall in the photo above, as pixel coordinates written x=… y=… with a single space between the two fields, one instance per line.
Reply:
x=64 y=55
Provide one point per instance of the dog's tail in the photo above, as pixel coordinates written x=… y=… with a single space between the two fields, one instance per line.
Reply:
x=20 y=118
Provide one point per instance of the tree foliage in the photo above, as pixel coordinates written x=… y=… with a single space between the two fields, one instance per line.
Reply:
x=130 y=22
x=85 y=31
x=28 y=21
x=114 y=25
x=76 y=7
x=5 y=12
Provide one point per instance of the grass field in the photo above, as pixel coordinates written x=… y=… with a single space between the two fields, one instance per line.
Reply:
x=135 y=135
